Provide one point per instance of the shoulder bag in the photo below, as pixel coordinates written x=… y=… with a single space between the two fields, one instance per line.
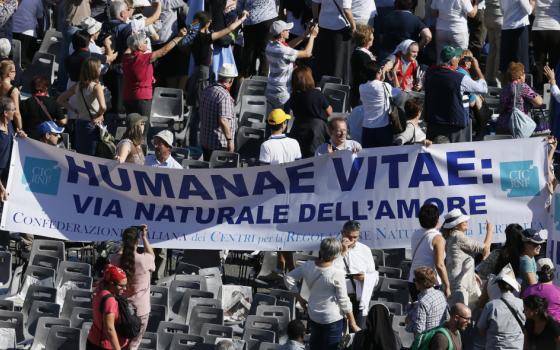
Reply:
x=394 y=115
x=521 y=125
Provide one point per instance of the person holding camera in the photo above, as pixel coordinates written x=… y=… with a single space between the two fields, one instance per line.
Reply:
x=138 y=268
x=357 y=262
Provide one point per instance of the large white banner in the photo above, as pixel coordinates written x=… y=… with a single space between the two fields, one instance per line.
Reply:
x=293 y=206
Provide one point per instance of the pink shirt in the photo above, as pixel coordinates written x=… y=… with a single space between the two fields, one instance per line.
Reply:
x=138 y=290
x=138 y=76
x=96 y=335
x=549 y=292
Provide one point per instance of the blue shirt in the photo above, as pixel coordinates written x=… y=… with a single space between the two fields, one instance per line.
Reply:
x=527 y=264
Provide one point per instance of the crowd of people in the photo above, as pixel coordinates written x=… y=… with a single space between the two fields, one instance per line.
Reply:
x=113 y=54
x=408 y=80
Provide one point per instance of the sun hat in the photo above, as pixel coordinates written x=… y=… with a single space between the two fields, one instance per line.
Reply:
x=277 y=117
x=166 y=136
x=534 y=236
x=228 y=70
x=542 y=262
x=91 y=25
x=134 y=118
x=508 y=276
x=454 y=218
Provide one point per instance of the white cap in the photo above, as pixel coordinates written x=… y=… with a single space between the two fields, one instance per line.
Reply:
x=280 y=26
x=91 y=25
x=228 y=70
x=454 y=218
x=166 y=136
x=542 y=262
x=141 y=3
x=507 y=275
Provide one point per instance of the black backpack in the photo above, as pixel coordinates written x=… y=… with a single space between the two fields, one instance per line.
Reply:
x=129 y=323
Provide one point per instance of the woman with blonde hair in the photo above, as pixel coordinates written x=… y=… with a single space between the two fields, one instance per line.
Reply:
x=515 y=94
x=8 y=72
x=129 y=149
x=89 y=106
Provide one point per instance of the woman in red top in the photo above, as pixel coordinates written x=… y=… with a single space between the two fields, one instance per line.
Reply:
x=138 y=72
x=103 y=334
x=405 y=68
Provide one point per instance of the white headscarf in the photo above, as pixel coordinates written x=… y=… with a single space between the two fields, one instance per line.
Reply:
x=403 y=47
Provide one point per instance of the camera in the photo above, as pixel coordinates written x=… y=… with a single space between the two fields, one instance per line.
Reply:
x=104 y=34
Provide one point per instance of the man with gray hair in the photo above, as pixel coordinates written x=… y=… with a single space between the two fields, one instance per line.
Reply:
x=338 y=131
x=217 y=114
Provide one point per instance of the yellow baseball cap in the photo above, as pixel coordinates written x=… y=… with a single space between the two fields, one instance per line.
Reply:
x=278 y=116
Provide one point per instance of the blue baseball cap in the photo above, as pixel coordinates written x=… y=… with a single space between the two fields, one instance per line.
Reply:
x=49 y=127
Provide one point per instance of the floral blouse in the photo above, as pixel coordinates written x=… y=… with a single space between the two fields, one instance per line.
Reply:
x=524 y=95
x=7 y=9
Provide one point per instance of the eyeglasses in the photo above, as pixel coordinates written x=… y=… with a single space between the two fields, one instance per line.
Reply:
x=465 y=318
x=118 y=285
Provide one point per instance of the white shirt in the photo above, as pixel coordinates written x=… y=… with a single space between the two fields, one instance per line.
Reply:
x=329 y=16
x=348 y=145
x=363 y=10
x=515 y=13
x=328 y=297
x=375 y=100
x=547 y=15
x=425 y=253
x=555 y=92
x=360 y=260
x=169 y=163
x=279 y=149
x=452 y=16
x=25 y=17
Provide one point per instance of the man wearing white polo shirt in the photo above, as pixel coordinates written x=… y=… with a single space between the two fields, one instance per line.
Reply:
x=279 y=148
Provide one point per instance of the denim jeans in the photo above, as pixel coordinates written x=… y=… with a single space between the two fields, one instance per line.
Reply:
x=86 y=137
x=325 y=336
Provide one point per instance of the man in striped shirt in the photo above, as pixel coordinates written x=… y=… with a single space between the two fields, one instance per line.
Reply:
x=281 y=57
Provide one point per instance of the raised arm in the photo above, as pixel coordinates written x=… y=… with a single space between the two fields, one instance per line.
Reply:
x=308 y=51
x=153 y=18
x=147 y=246
x=231 y=27
x=170 y=45
x=488 y=240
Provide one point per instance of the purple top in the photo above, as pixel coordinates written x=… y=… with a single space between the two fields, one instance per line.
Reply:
x=524 y=95
x=548 y=291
